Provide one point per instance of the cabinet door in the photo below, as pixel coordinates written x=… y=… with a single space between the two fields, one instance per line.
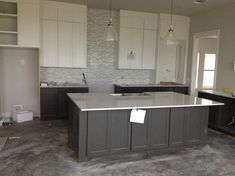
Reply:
x=177 y=123
x=49 y=103
x=28 y=24
x=159 y=128
x=65 y=14
x=79 y=45
x=119 y=131
x=65 y=44
x=49 y=43
x=98 y=133
x=49 y=10
x=130 y=48
x=149 y=49
x=140 y=135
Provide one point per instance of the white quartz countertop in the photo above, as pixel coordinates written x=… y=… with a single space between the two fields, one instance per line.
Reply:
x=151 y=85
x=106 y=101
x=218 y=92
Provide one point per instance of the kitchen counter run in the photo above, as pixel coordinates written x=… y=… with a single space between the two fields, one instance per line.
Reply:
x=106 y=101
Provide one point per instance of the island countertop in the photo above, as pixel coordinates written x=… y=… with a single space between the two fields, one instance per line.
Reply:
x=106 y=101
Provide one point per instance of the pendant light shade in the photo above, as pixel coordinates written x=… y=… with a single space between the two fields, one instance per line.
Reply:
x=110 y=31
x=170 y=37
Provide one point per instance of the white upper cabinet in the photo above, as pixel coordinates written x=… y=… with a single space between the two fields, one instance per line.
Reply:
x=171 y=60
x=71 y=35
x=65 y=45
x=28 y=23
x=79 y=45
x=130 y=51
x=149 y=49
x=49 y=44
x=180 y=24
x=48 y=10
x=138 y=39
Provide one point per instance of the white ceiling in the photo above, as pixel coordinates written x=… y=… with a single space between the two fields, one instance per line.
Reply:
x=182 y=7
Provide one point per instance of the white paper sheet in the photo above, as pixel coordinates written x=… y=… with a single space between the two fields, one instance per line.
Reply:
x=137 y=116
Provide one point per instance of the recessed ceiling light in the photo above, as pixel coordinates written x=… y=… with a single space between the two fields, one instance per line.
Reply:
x=199 y=1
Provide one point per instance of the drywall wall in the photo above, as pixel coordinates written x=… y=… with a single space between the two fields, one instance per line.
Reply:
x=222 y=19
x=102 y=70
x=20 y=79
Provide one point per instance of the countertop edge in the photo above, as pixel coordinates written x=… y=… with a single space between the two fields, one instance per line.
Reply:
x=152 y=107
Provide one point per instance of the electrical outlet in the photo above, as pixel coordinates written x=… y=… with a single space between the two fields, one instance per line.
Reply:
x=18 y=107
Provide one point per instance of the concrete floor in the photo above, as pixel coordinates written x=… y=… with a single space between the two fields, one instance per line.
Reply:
x=43 y=151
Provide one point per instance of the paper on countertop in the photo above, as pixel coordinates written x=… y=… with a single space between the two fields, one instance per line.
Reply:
x=137 y=116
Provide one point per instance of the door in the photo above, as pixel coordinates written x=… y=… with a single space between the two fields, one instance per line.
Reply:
x=149 y=49
x=130 y=48
x=65 y=44
x=159 y=128
x=79 y=45
x=49 y=43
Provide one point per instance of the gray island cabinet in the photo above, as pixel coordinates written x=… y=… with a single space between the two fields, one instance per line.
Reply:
x=99 y=124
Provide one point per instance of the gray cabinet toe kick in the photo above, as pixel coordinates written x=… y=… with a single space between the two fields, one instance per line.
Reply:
x=99 y=133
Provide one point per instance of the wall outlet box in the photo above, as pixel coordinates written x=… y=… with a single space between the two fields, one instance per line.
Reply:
x=23 y=116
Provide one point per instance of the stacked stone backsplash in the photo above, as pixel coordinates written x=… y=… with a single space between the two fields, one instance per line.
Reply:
x=102 y=57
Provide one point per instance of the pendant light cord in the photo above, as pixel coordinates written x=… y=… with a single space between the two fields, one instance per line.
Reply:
x=171 y=13
x=110 y=10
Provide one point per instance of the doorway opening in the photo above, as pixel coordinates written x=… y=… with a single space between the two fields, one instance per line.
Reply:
x=205 y=59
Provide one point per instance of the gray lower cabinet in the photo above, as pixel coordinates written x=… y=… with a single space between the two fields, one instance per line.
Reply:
x=140 y=135
x=177 y=127
x=153 y=134
x=108 y=132
x=188 y=126
x=99 y=133
x=159 y=128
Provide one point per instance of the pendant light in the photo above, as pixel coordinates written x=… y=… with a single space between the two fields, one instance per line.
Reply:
x=111 y=33
x=170 y=37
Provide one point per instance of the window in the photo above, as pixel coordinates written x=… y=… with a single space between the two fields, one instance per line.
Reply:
x=209 y=71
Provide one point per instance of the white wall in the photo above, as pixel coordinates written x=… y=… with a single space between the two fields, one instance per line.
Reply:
x=223 y=19
x=20 y=82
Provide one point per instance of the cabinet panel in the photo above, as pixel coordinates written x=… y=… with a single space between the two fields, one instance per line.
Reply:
x=159 y=127
x=98 y=133
x=140 y=135
x=65 y=45
x=49 y=43
x=149 y=49
x=65 y=14
x=49 y=11
x=120 y=131
x=28 y=13
x=79 y=45
x=194 y=123
x=130 y=48
x=177 y=124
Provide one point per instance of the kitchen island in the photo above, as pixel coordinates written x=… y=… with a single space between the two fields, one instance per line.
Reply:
x=99 y=123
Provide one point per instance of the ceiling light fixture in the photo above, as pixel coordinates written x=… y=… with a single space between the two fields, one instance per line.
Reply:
x=111 y=33
x=170 y=37
x=199 y=1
